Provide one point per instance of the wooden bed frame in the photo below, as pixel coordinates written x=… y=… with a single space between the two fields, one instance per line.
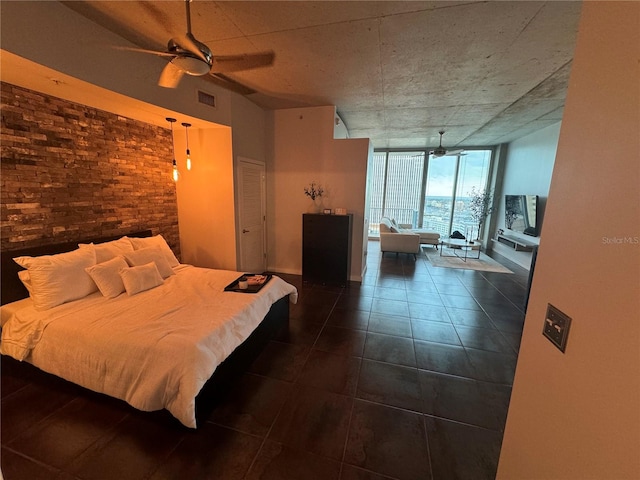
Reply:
x=12 y=289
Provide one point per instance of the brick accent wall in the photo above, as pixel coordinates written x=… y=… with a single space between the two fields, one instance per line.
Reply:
x=72 y=172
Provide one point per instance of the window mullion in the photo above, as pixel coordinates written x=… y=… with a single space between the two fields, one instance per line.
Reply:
x=453 y=194
x=423 y=188
x=384 y=184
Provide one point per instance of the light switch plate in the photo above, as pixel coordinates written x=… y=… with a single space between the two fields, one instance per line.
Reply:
x=556 y=327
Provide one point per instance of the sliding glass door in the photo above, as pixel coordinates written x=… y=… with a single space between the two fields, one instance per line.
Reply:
x=439 y=198
x=473 y=173
x=425 y=191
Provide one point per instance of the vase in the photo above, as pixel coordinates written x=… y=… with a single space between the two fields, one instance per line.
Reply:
x=315 y=206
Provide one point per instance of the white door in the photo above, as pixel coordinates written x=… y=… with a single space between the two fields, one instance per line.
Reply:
x=252 y=215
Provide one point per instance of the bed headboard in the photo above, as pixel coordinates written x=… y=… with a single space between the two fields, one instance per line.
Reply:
x=12 y=289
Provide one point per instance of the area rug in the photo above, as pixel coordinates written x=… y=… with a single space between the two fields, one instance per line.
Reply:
x=483 y=264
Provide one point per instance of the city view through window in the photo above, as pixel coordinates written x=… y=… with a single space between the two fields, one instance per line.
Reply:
x=427 y=192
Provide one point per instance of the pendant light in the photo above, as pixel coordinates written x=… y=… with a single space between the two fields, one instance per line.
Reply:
x=173 y=150
x=186 y=129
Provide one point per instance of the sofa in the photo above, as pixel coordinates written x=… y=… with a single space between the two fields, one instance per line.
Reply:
x=400 y=238
x=426 y=236
x=393 y=240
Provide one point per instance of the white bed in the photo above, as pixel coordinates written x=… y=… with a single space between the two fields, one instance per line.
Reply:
x=155 y=349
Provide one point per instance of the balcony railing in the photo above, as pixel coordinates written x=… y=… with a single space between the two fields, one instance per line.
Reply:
x=401 y=215
x=433 y=223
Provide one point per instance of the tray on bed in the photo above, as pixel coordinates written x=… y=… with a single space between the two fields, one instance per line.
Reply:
x=255 y=288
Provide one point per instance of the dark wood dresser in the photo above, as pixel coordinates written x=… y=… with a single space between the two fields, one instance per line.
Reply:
x=326 y=248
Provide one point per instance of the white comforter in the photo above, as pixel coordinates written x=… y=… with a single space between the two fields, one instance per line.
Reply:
x=154 y=350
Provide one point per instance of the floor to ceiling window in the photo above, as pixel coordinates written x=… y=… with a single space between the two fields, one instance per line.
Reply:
x=473 y=174
x=439 y=195
x=426 y=191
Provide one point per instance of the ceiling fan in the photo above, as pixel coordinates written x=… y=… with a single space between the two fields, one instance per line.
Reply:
x=440 y=151
x=192 y=57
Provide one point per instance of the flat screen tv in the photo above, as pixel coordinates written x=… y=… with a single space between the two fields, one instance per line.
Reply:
x=521 y=214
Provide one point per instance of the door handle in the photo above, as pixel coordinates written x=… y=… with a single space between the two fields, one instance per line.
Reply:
x=245 y=231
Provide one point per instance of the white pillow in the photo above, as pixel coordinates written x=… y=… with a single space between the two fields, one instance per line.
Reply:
x=156 y=241
x=140 y=278
x=107 y=276
x=56 y=279
x=151 y=254
x=108 y=250
x=25 y=278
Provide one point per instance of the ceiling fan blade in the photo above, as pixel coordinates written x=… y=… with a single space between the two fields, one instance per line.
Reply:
x=455 y=152
x=142 y=50
x=189 y=43
x=170 y=76
x=236 y=63
x=230 y=84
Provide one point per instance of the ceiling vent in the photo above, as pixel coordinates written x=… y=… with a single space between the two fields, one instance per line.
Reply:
x=207 y=99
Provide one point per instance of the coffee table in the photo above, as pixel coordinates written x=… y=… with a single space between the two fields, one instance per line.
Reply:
x=457 y=245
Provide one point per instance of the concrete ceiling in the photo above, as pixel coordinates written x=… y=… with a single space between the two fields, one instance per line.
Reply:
x=398 y=72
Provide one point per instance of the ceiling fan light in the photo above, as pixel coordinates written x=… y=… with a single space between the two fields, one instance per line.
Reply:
x=191 y=65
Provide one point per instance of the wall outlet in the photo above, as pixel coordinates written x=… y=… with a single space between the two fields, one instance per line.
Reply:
x=556 y=327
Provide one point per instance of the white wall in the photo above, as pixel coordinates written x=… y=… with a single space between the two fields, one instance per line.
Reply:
x=206 y=199
x=249 y=142
x=304 y=150
x=577 y=415
x=249 y=129
x=528 y=169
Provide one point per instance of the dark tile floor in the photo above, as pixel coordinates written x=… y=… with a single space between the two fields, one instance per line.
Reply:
x=406 y=376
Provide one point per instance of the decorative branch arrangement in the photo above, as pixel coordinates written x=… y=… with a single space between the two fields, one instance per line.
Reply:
x=314 y=190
